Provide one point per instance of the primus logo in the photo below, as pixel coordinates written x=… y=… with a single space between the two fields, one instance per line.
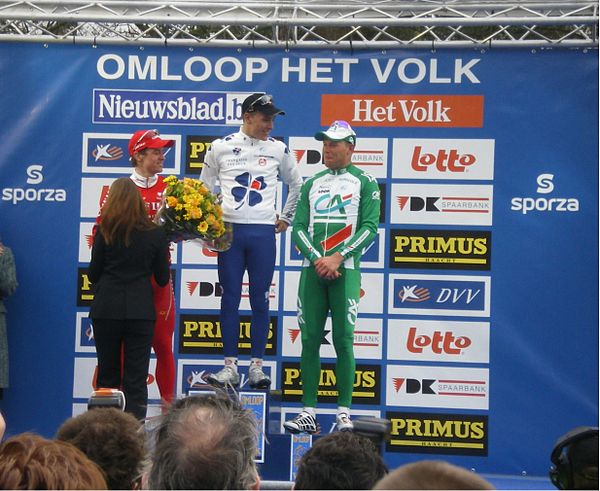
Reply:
x=202 y=335
x=545 y=186
x=444 y=249
x=366 y=383
x=34 y=176
x=438 y=433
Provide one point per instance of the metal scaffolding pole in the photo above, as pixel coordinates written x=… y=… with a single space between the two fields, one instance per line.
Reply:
x=331 y=24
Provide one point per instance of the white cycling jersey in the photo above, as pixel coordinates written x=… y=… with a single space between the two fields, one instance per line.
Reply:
x=246 y=170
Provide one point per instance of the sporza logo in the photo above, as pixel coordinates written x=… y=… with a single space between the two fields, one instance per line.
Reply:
x=35 y=176
x=545 y=183
x=440 y=295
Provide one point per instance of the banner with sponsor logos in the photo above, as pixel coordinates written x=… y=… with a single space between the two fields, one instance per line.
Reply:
x=478 y=327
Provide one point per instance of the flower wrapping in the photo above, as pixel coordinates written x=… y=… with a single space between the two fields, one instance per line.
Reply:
x=189 y=211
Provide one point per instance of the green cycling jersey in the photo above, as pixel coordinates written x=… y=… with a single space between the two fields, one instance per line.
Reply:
x=338 y=211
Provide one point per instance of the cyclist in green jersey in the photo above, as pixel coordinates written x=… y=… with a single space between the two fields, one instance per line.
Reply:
x=336 y=218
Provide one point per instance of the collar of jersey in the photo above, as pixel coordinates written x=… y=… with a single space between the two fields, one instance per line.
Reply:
x=343 y=170
x=253 y=141
x=143 y=182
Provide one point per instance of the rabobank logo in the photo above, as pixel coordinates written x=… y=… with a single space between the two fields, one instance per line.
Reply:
x=35 y=177
x=155 y=107
x=440 y=295
x=545 y=185
x=107 y=153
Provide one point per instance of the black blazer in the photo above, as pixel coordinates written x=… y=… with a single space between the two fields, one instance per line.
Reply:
x=121 y=275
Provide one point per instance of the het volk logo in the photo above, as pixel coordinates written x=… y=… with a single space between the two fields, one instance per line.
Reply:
x=35 y=176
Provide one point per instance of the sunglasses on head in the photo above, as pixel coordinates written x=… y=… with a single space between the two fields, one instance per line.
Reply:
x=263 y=100
x=146 y=133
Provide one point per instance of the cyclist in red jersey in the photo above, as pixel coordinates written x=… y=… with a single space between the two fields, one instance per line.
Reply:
x=147 y=154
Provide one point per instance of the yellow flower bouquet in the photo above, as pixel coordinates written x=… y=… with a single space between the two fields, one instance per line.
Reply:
x=189 y=211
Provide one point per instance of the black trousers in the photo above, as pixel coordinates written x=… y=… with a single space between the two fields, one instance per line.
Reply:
x=136 y=338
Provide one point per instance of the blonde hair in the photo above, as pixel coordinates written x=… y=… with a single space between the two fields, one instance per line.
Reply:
x=432 y=474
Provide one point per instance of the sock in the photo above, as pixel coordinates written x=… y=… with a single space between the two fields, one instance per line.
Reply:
x=232 y=362
x=342 y=409
x=309 y=410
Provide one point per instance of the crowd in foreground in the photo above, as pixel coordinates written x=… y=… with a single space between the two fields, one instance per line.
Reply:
x=210 y=442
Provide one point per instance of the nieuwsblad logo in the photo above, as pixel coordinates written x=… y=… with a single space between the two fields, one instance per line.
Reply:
x=440 y=295
x=367 y=338
x=450 y=434
x=201 y=334
x=443 y=159
x=440 y=249
x=545 y=184
x=443 y=387
x=35 y=177
x=367 y=383
x=118 y=106
x=108 y=152
x=443 y=341
x=440 y=204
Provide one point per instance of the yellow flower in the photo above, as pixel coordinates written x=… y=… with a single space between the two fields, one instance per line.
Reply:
x=172 y=201
x=202 y=227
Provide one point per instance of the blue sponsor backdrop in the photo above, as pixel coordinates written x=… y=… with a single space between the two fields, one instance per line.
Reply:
x=66 y=114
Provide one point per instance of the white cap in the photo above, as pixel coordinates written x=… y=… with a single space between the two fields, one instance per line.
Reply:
x=338 y=131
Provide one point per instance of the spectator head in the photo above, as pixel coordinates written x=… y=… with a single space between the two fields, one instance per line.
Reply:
x=29 y=461
x=205 y=442
x=432 y=474
x=575 y=459
x=340 y=460
x=112 y=439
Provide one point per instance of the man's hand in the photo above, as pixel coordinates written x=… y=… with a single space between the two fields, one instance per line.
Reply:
x=327 y=266
x=280 y=226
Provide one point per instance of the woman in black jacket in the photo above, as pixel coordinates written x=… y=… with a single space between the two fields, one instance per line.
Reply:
x=128 y=249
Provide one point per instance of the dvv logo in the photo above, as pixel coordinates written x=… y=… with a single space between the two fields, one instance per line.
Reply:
x=107 y=152
x=440 y=295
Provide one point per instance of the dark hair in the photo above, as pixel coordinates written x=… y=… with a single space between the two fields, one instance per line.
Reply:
x=205 y=442
x=432 y=474
x=340 y=460
x=112 y=439
x=29 y=461
x=123 y=212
